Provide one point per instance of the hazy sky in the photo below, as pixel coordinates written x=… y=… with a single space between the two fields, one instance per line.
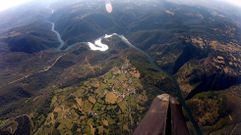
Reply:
x=5 y=4
x=234 y=2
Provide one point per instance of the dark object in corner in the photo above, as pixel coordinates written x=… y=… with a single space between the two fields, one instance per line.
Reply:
x=164 y=117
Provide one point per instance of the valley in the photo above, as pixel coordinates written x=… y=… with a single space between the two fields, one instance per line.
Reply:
x=76 y=69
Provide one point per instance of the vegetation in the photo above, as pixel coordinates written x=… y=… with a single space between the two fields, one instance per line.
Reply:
x=80 y=91
x=208 y=107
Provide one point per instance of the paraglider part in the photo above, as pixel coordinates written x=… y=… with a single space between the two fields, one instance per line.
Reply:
x=108 y=6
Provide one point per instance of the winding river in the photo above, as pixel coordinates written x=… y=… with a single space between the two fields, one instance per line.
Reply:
x=96 y=46
x=99 y=46
x=61 y=41
x=177 y=91
x=59 y=38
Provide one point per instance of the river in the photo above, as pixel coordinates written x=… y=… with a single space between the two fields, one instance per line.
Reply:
x=99 y=46
x=59 y=38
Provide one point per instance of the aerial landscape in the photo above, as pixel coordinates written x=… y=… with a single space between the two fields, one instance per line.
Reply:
x=110 y=67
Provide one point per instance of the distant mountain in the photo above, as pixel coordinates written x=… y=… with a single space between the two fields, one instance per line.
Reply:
x=75 y=90
x=31 y=38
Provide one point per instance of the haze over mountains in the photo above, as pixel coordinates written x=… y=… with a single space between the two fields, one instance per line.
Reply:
x=50 y=87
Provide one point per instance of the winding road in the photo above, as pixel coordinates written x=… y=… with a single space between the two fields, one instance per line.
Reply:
x=45 y=69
